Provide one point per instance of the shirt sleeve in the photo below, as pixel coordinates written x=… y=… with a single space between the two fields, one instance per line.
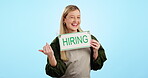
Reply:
x=60 y=68
x=98 y=63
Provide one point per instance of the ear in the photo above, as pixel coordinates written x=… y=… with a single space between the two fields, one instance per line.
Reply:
x=64 y=20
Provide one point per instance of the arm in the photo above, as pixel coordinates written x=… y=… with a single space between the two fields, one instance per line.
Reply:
x=60 y=68
x=55 y=67
x=100 y=59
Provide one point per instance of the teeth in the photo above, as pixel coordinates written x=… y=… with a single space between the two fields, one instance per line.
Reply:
x=74 y=24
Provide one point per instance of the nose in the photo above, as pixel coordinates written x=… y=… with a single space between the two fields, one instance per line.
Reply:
x=76 y=19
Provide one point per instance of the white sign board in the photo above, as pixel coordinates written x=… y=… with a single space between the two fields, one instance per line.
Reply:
x=74 y=40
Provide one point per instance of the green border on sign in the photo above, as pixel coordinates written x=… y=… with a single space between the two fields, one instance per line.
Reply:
x=73 y=48
x=73 y=33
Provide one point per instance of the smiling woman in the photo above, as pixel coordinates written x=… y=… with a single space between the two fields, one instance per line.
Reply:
x=72 y=21
x=75 y=63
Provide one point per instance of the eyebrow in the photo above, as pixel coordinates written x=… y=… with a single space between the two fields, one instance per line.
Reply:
x=73 y=15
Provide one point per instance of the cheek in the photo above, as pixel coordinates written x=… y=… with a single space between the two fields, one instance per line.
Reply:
x=79 y=21
x=68 y=22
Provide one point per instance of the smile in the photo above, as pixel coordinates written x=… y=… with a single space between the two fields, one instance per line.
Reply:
x=74 y=24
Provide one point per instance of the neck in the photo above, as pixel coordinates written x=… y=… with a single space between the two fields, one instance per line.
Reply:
x=72 y=31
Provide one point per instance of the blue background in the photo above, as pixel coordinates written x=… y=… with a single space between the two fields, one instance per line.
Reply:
x=121 y=26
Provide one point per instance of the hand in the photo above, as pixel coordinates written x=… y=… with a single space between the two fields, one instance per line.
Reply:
x=95 y=45
x=47 y=50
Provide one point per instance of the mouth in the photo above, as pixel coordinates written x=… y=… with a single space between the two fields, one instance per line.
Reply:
x=74 y=24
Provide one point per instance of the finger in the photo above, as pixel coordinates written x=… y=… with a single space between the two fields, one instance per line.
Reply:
x=96 y=44
x=47 y=44
x=44 y=49
x=94 y=41
x=93 y=46
x=41 y=50
x=47 y=48
x=50 y=48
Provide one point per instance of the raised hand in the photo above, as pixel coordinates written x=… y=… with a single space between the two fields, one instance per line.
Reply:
x=47 y=50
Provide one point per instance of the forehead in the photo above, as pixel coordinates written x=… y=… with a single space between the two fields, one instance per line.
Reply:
x=75 y=12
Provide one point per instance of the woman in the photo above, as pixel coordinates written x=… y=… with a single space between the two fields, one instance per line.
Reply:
x=75 y=63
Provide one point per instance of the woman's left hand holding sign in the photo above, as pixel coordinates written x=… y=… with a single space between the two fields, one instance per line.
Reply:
x=95 y=45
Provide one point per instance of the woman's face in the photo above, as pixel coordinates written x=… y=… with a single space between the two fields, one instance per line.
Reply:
x=72 y=21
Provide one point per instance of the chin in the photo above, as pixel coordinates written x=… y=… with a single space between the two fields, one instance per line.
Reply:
x=74 y=29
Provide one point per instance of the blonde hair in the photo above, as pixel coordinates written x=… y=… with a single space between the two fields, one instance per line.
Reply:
x=63 y=28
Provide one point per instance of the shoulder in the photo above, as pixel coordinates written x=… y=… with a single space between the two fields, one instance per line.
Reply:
x=56 y=40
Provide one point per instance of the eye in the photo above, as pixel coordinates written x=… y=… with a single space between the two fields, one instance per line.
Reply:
x=78 y=17
x=72 y=17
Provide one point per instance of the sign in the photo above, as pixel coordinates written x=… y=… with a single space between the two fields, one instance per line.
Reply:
x=74 y=40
